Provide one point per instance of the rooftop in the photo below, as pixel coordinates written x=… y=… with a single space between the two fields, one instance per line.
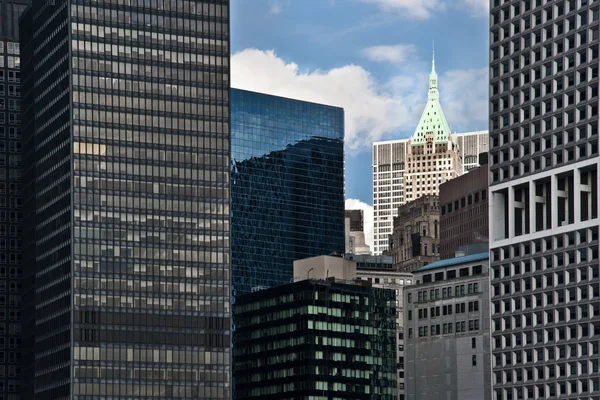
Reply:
x=455 y=261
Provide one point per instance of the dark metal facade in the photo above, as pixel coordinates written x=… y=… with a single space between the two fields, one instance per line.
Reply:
x=11 y=213
x=316 y=340
x=127 y=205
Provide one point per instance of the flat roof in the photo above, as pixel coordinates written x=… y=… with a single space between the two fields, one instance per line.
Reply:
x=455 y=261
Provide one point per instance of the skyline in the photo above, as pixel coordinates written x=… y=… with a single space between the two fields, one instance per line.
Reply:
x=369 y=59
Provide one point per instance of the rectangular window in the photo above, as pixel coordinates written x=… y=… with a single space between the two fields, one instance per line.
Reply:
x=473 y=343
x=474 y=361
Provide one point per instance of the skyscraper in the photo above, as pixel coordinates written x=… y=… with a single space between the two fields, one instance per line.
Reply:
x=126 y=146
x=11 y=257
x=544 y=60
x=287 y=183
x=406 y=169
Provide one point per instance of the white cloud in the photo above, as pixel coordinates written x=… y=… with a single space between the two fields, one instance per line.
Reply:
x=478 y=8
x=373 y=110
x=274 y=7
x=354 y=204
x=421 y=9
x=424 y=9
x=370 y=111
x=464 y=97
x=397 y=53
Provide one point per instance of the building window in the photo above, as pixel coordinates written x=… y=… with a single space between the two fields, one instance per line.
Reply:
x=473 y=343
x=474 y=361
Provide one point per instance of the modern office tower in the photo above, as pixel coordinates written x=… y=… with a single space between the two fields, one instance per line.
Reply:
x=470 y=146
x=379 y=272
x=464 y=210
x=126 y=154
x=354 y=233
x=404 y=170
x=544 y=199
x=415 y=241
x=316 y=339
x=447 y=321
x=11 y=257
x=287 y=186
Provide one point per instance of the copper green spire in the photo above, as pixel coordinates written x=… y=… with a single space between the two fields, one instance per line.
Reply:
x=433 y=124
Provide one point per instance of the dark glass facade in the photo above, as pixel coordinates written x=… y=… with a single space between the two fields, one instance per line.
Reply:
x=126 y=147
x=316 y=340
x=11 y=213
x=287 y=186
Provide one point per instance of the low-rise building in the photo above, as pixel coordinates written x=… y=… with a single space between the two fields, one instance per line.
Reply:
x=447 y=325
x=415 y=241
x=316 y=339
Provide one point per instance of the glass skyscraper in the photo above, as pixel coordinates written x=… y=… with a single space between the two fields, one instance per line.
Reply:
x=11 y=257
x=287 y=186
x=126 y=147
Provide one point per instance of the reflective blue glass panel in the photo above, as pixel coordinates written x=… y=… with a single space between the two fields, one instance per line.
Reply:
x=287 y=186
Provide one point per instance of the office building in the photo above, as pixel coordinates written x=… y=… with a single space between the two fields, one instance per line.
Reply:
x=470 y=147
x=379 y=272
x=406 y=169
x=287 y=186
x=544 y=61
x=354 y=232
x=464 y=210
x=316 y=339
x=415 y=241
x=11 y=213
x=447 y=321
x=126 y=155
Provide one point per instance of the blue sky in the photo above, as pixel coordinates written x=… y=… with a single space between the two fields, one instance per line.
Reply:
x=371 y=57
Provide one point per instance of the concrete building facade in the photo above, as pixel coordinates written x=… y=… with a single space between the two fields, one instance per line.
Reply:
x=544 y=62
x=324 y=267
x=464 y=211
x=447 y=340
x=415 y=241
x=406 y=169
x=379 y=272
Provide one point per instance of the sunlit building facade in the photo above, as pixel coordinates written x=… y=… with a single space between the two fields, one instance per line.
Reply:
x=126 y=147
x=406 y=169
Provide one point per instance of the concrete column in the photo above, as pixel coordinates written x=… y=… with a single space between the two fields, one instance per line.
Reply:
x=532 y=203
x=576 y=195
x=511 y=212
x=554 y=199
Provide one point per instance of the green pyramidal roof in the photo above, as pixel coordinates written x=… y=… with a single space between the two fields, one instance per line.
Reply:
x=432 y=125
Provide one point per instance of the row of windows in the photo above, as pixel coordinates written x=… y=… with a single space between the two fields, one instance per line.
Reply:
x=464 y=202
x=13 y=76
x=443 y=329
x=459 y=308
x=434 y=294
x=10 y=90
